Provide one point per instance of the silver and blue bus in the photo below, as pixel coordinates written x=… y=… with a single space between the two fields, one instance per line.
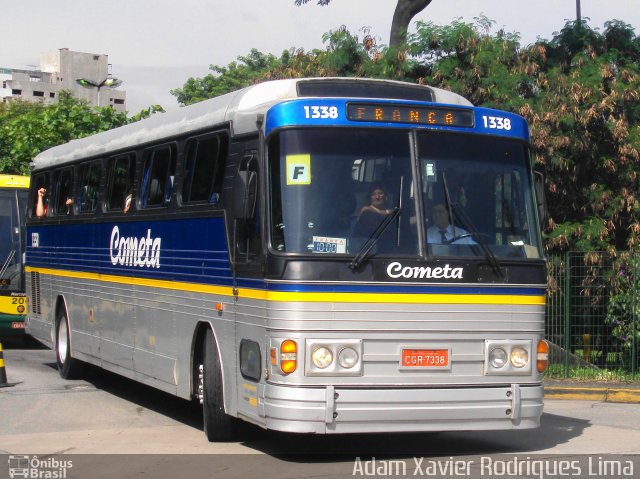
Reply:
x=229 y=253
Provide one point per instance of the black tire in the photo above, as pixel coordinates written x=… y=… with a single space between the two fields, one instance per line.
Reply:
x=68 y=367
x=218 y=426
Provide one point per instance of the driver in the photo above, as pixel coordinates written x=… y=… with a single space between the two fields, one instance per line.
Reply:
x=442 y=232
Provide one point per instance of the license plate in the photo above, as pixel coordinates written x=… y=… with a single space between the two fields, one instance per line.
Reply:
x=425 y=358
x=18 y=325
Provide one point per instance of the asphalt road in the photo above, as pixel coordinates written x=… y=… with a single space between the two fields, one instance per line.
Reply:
x=44 y=415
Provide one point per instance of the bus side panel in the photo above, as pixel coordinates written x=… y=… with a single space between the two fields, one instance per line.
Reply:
x=251 y=322
x=136 y=293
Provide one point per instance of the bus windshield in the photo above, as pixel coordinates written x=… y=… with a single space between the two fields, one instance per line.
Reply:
x=330 y=189
x=477 y=196
x=12 y=208
x=322 y=185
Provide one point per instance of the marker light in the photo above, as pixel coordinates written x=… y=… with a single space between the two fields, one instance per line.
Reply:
x=322 y=357
x=288 y=356
x=519 y=357
x=543 y=356
x=498 y=358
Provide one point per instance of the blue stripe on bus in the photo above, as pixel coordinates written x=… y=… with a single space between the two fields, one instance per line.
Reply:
x=190 y=249
x=399 y=288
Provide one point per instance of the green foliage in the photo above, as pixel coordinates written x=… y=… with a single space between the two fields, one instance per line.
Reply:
x=623 y=306
x=246 y=71
x=26 y=129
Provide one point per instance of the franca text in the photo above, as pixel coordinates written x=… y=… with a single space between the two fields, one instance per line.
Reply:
x=143 y=252
x=396 y=270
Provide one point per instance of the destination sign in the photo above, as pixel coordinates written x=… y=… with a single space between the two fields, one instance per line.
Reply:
x=436 y=116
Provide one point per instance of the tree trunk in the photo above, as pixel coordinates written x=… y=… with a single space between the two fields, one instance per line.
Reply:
x=405 y=11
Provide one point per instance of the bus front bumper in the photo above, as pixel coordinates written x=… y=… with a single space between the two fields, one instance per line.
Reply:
x=330 y=409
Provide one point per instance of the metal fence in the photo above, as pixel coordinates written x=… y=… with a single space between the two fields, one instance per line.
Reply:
x=593 y=307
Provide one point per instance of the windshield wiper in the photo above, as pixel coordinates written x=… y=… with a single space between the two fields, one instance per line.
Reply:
x=5 y=266
x=469 y=226
x=375 y=236
x=478 y=237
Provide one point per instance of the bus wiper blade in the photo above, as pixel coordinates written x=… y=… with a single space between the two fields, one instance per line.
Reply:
x=5 y=266
x=477 y=236
x=375 y=236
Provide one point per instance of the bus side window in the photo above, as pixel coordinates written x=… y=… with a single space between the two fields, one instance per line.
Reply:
x=248 y=229
x=121 y=178
x=40 y=180
x=158 y=177
x=90 y=175
x=63 y=195
x=204 y=169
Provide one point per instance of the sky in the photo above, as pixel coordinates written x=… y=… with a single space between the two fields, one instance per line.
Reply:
x=156 y=45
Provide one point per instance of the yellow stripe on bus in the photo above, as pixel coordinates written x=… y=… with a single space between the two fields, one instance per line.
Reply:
x=304 y=297
x=135 y=281
x=401 y=298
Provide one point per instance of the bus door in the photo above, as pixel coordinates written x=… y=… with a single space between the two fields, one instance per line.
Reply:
x=250 y=305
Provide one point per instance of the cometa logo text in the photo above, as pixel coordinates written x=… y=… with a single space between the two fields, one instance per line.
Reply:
x=396 y=270
x=143 y=252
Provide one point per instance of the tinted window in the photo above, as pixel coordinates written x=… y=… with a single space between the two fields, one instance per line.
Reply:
x=38 y=181
x=157 y=181
x=204 y=169
x=89 y=186
x=63 y=184
x=122 y=173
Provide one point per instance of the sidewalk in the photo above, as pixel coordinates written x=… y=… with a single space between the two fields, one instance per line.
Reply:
x=592 y=391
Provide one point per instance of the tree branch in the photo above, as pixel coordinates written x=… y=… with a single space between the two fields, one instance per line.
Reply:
x=405 y=11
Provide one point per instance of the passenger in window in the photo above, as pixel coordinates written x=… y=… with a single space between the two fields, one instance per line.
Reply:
x=371 y=215
x=378 y=201
x=443 y=232
x=127 y=203
x=69 y=204
x=41 y=204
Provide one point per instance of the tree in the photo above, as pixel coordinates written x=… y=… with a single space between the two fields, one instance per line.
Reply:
x=26 y=129
x=578 y=92
x=247 y=70
x=404 y=12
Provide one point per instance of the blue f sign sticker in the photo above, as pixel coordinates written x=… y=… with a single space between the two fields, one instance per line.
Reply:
x=298 y=169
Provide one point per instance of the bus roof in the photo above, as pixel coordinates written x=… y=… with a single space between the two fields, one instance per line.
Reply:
x=14 y=181
x=240 y=108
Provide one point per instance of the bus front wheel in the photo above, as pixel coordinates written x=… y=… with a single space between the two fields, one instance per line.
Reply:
x=218 y=426
x=68 y=367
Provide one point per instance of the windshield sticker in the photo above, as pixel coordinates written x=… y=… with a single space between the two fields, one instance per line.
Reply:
x=298 y=169
x=323 y=244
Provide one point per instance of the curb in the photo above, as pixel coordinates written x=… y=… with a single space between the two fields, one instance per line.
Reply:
x=603 y=394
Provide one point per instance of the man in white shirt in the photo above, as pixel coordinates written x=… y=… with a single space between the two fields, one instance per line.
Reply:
x=442 y=232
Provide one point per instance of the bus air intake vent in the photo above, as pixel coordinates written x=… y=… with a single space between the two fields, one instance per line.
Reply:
x=35 y=293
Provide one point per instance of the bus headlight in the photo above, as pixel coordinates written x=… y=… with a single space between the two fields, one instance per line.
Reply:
x=508 y=357
x=333 y=357
x=348 y=357
x=322 y=358
x=498 y=358
x=519 y=357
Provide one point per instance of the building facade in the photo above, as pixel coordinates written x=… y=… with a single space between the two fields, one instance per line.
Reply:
x=60 y=70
